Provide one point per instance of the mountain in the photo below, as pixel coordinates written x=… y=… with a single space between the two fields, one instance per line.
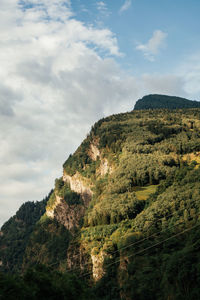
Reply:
x=163 y=101
x=122 y=222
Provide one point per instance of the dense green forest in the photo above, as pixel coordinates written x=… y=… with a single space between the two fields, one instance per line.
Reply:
x=123 y=222
x=43 y=283
x=163 y=101
x=16 y=233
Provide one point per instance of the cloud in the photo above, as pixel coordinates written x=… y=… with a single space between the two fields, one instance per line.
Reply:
x=7 y=99
x=152 y=47
x=101 y=6
x=190 y=70
x=125 y=6
x=169 y=84
x=58 y=76
x=103 y=13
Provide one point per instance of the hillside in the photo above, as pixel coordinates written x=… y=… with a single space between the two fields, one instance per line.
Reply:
x=123 y=217
x=165 y=102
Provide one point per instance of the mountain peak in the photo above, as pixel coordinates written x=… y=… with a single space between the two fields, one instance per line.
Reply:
x=156 y=101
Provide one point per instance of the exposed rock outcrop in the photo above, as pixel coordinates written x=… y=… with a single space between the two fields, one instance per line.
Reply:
x=97 y=264
x=79 y=186
x=93 y=152
x=77 y=258
x=50 y=212
x=69 y=215
x=104 y=167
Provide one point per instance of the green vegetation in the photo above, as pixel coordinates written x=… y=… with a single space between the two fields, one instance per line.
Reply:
x=142 y=221
x=162 y=101
x=142 y=193
x=79 y=159
x=48 y=242
x=63 y=190
x=16 y=233
x=43 y=283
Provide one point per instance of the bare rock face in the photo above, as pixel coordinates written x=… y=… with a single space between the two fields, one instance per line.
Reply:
x=93 y=152
x=50 y=212
x=69 y=215
x=79 y=186
x=97 y=264
x=104 y=167
x=77 y=258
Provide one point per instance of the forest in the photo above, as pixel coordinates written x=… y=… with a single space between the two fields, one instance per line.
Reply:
x=136 y=235
x=164 y=102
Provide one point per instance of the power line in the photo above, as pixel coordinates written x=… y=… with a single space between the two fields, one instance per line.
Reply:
x=132 y=244
x=143 y=250
x=165 y=216
x=105 y=208
x=127 y=246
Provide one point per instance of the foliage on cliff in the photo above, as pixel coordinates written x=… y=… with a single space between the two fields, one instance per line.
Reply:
x=141 y=224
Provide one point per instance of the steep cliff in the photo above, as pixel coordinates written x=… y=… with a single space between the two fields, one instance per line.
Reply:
x=125 y=212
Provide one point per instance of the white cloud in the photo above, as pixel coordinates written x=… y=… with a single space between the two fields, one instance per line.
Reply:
x=152 y=47
x=101 y=6
x=54 y=86
x=103 y=13
x=189 y=69
x=125 y=6
x=103 y=9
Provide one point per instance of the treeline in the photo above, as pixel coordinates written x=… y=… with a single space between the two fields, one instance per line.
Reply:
x=16 y=233
x=49 y=242
x=142 y=220
x=164 y=102
x=43 y=283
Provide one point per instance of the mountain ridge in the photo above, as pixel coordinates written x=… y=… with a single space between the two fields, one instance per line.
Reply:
x=156 y=101
x=132 y=186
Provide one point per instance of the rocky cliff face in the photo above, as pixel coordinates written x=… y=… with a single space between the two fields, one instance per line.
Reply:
x=50 y=212
x=104 y=168
x=79 y=185
x=97 y=264
x=69 y=215
x=135 y=175
x=94 y=153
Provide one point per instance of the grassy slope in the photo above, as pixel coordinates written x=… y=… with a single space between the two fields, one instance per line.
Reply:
x=142 y=193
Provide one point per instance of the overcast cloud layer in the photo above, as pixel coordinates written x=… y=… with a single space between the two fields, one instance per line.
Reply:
x=57 y=77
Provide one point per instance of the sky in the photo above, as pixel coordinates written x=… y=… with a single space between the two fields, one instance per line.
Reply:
x=66 y=64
